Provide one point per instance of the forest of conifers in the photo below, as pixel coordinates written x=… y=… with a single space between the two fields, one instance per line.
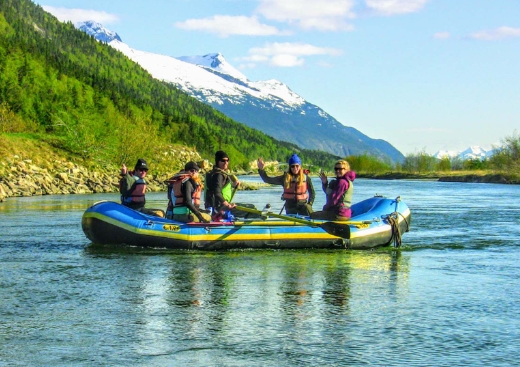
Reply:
x=60 y=85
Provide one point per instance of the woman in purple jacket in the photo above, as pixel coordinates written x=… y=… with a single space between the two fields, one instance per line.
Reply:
x=339 y=193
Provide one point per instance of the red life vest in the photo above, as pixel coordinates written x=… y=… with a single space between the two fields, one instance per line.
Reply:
x=295 y=192
x=136 y=194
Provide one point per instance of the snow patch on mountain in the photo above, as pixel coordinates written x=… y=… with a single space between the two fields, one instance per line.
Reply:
x=214 y=61
x=197 y=79
x=209 y=75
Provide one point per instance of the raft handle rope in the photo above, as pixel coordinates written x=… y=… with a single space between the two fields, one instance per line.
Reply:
x=393 y=220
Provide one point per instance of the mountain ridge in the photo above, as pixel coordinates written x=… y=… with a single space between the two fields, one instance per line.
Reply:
x=269 y=106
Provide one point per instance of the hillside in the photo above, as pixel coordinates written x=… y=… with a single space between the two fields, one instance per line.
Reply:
x=269 y=106
x=83 y=96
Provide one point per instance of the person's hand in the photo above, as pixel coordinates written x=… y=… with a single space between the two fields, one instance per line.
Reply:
x=260 y=163
x=232 y=205
x=124 y=170
x=203 y=220
x=323 y=177
x=236 y=184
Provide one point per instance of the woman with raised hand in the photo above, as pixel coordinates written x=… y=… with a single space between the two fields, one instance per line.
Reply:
x=339 y=193
x=298 y=191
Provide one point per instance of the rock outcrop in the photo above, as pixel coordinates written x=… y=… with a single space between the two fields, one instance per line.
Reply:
x=23 y=177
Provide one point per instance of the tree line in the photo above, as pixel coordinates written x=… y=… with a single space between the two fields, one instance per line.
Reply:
x=62 y=86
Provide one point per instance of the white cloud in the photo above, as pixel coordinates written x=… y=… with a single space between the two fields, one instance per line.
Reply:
x=287 y=54
x=78 y=15
x=442 y=35
x=394 y=7
x=226 y=25
x=322 y=15
x=496 y=34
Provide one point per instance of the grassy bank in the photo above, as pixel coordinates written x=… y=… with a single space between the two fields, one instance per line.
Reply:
x=480 y=176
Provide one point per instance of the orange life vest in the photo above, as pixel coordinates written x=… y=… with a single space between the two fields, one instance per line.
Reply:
x=175 y=189
x=295 y=192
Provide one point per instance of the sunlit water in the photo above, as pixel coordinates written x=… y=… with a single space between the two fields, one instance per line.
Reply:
x=451 y=297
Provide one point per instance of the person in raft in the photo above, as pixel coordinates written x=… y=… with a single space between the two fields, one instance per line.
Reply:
x=339 y=193
x=184 y=192
x=219 y=188
x=132 y=187
x=298 y=191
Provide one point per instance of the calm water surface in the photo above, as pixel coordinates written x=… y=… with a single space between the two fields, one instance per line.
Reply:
x=451 y=297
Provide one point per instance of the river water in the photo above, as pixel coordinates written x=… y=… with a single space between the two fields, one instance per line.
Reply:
x=450 y=297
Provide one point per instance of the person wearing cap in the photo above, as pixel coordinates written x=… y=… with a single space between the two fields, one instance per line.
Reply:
x=132 y=187
x=219 y=187
x=184 y=192
x=298 y=191
x=339 y=193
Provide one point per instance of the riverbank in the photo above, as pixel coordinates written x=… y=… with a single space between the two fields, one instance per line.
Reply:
x=466 y=176
x=29 y=167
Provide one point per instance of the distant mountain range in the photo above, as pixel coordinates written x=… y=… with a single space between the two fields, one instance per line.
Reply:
x=268 y=106
x=473 y=152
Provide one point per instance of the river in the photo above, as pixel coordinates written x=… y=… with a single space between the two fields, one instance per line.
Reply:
x=450 y=297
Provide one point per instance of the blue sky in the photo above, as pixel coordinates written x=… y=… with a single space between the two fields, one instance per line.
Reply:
x=421 y=74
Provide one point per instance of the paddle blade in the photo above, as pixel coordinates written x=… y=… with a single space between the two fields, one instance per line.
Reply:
x=336 y=229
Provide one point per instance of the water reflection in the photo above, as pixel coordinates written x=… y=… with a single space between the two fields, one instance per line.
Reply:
x=191 y=300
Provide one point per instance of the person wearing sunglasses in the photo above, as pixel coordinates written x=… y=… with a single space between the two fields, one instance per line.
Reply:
x=298 y=191
x=132 y=187
x=339 y=193
x=219 y=188
x=184 y=192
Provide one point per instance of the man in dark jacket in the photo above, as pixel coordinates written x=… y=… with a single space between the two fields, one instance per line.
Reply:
x=219 y=187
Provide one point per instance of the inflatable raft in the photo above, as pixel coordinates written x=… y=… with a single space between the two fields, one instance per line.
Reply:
x=375 y=222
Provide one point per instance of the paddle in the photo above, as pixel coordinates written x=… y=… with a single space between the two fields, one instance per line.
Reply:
x=334 y=228
x=234 y=179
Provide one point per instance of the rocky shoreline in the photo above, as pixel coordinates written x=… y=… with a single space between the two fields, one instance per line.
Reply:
x=23 y=177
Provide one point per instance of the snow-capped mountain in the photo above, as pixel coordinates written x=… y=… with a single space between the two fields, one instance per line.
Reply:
x=214 y=63
x=269 y=106
x=97 y=31
x=473 y=152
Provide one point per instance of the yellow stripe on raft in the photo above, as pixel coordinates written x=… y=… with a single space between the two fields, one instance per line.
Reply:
x=220 y=236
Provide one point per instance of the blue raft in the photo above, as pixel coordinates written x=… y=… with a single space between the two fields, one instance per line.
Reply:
x=375 y=222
